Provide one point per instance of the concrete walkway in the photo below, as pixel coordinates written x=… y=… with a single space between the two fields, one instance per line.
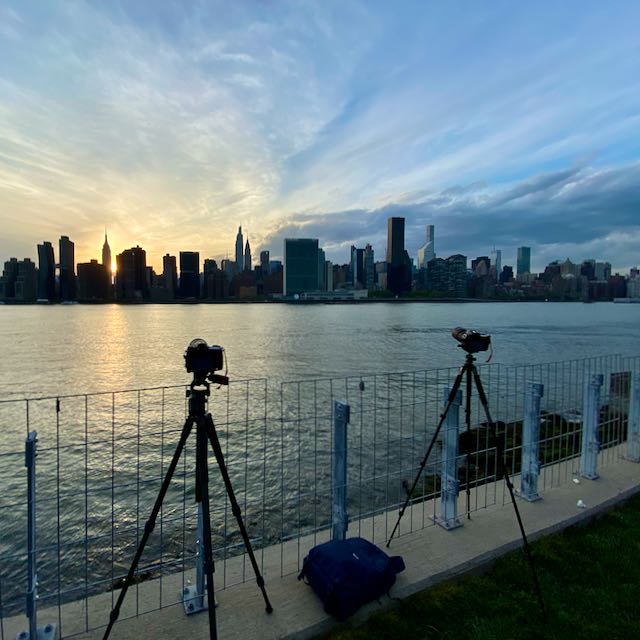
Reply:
x=431 y=556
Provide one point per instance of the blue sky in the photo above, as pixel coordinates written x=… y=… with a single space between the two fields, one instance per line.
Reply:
x=173 y=123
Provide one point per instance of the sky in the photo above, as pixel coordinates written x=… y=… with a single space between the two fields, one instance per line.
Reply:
x=172 y=123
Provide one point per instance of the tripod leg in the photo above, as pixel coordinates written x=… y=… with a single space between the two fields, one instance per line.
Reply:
x=467 y=419
x=151 y=523
x=235 y=508
x=500 y=455
x=202 y=494
x=434 y=438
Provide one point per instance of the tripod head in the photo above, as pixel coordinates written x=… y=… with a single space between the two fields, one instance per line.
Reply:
x=203 y=361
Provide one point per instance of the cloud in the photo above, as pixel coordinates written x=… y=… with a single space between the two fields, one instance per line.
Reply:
x=604 y=222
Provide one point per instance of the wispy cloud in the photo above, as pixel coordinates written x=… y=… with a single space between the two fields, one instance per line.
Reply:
x=174 y=123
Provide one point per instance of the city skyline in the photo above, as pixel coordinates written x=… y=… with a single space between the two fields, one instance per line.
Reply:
x=173 y=126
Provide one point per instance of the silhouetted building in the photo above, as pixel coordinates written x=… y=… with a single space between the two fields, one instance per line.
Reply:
x=189 y=274
x=170 y=275
x=26 y=287
x=588 y=269
x=340 y=276
x=603 y=271
x=523 y=263
x=480 y=266
x=398 y=275
x=264 y=262
x=106 y=254
x=131 y=275
x=94 y=281
x=617 y=286
x=239 y=246
x=67 y=269
x=328 y=275
x=300 y=265
x=46 y=272
x=8 y=279
x=506 y=275
x=247 y=257
x=215 y=284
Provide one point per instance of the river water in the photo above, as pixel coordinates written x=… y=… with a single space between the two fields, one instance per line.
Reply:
x=101 y=457
x=79 y=349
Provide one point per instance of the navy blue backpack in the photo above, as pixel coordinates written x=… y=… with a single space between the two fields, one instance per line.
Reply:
x=345 y=574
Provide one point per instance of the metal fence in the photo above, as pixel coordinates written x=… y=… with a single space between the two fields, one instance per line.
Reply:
x=101 y=459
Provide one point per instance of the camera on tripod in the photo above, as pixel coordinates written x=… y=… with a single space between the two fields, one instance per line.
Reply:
x=203 y=360
x=471 y=341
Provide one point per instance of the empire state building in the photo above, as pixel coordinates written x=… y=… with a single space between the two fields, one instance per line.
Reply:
x=106 y=253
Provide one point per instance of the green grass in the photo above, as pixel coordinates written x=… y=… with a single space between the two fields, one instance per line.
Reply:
x=590 y=578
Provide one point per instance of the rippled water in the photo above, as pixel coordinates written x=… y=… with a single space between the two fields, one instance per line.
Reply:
x=78 y=349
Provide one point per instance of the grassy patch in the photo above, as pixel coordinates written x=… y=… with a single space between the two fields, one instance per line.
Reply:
x=590 y=577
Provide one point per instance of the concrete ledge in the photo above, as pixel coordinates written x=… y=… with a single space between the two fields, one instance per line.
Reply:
x=431 y=555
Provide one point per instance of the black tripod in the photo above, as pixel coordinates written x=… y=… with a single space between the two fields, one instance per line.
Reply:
x=470 y=371
x=205 y=431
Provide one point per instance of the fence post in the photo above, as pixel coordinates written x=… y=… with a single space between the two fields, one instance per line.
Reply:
x=590 y=423
x=339 y=517
x=633 y=429
x=449 y=483
x=531 y=443
x=47 y=632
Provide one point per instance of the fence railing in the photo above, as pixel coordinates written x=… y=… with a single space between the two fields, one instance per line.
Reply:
x=101 y=459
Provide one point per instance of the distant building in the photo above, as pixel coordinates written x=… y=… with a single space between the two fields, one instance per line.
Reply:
x=239 y=255
x=480 y=266
x=369 y=269
x=356 y=266
x=19 y=281
x=321 y=274
x=94 y=281
x=398 y=275
x=8 y=279
x=506 y=275
x=46 y=272
x=247 y=257
x=170 y=275
x=131 y=275
x=603 y=271
x=106 y=253
x=328 y=275
x=523 y=263
x=300 y=265
x=26 y=289
x=496 y=262
x=189 y=274
x=67 y=269
x=264 y=262
x=448 y=276
x=427 y=251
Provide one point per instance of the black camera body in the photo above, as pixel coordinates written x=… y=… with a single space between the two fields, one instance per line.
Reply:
x=471 y=341
x=202 y=359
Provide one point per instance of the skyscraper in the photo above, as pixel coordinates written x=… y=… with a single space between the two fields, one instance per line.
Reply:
x=369 y=272
x=170 y=274
x=131 y=274
x=264 y=262
x=239 y=257
x=523 y=262
x=67 y=269
x=106 y=252
x=300 y=265
x=496 y=261
x=189 y=274
x=427 y=251
x=247 y=256
x=46 y=272
x=398 y=276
